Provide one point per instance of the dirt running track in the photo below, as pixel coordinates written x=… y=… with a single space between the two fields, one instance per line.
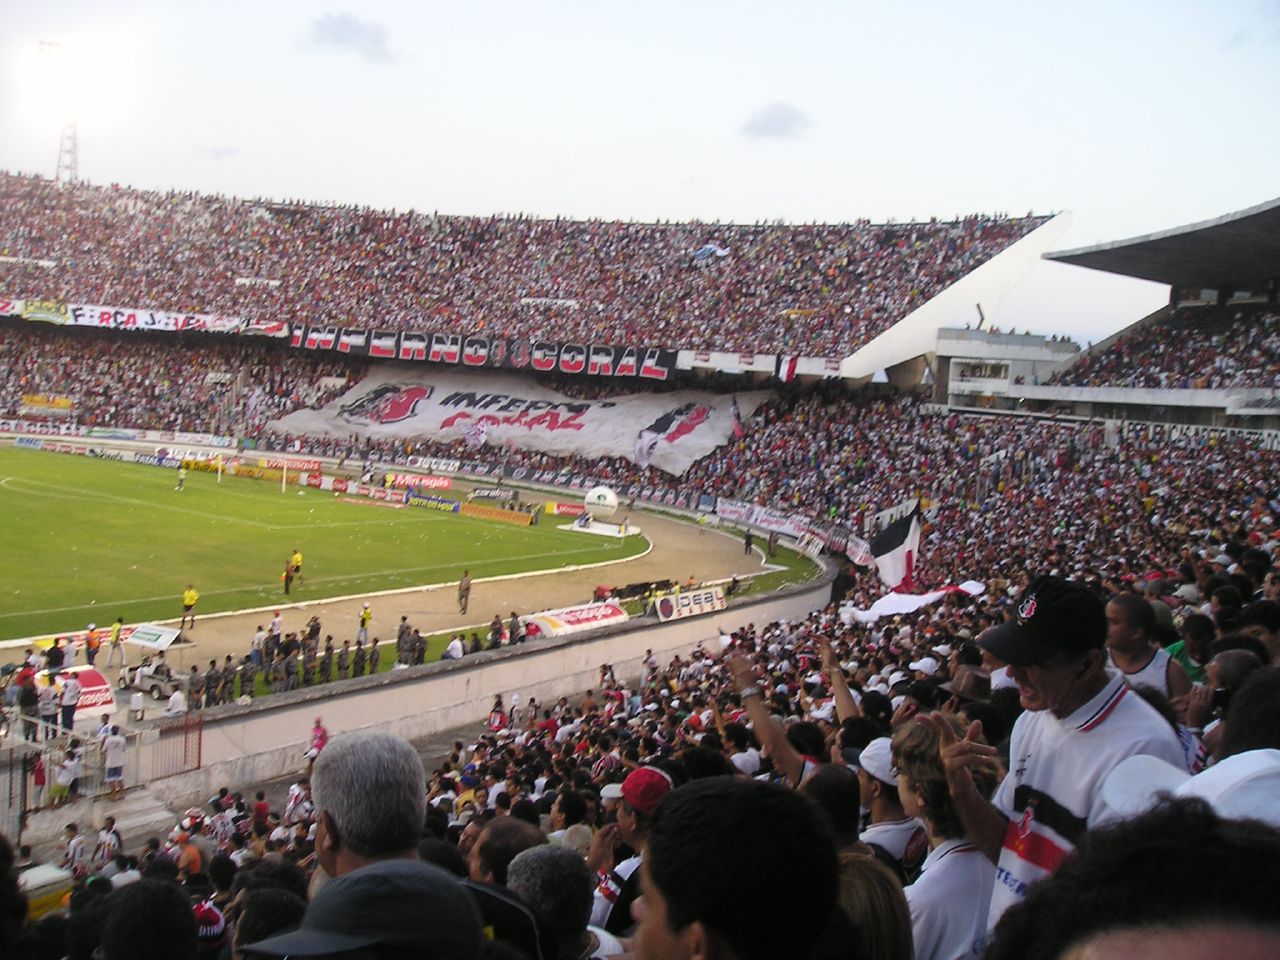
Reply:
x=679 y=549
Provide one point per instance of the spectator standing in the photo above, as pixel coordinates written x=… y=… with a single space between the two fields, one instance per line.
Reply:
x=1079 y=723
x=70 y=700
x=113 y=755
x=464 y=591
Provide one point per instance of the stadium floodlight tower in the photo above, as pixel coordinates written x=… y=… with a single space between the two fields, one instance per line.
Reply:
x=68 y=146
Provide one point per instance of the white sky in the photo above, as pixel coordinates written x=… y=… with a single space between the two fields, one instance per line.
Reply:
x=1135 y=116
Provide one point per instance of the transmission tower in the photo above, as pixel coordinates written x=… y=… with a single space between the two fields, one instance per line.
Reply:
x=55 y=55
x=68 y=160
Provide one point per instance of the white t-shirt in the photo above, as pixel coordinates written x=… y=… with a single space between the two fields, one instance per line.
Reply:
x=894 y=837
x=1053 y=791
x=950 y=901
x=113 y=751
x=71 y=692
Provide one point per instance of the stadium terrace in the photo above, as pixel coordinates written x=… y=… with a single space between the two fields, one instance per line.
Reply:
x=815 y=290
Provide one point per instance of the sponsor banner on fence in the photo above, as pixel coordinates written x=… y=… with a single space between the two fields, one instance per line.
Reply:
x=791 y=524
x=418 y=480
x=518 y=517
x=478 y=350
x=31 y=443
x=41 y=429
x=559 y=623
x=428 y=502
x=156 y=460
x=734 y=511
x=493 y=493
x=45 y=405
x=436 y=464
x=116 y=433
x=566 y=509
x=692 y=603
x=306 y=466
x=671 y=431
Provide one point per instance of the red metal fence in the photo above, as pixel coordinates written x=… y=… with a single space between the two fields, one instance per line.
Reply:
x=179 y=747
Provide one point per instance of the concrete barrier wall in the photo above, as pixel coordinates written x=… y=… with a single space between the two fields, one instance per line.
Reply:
x=244 y=746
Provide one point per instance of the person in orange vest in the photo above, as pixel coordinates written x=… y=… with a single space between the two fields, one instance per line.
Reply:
x=92 y=642
x=190 y=860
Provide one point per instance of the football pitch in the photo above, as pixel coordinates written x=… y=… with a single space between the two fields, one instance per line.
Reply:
x=85 y=540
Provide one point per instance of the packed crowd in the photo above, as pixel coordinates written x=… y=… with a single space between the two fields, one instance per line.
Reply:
x=814 y=290
x=194 y=383
x=982 y=777
x=1195 y=349
x=1003 y=494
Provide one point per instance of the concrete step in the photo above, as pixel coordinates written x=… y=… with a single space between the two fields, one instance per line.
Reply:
x=138 y=816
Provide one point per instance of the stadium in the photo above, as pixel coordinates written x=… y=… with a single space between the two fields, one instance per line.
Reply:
x=291 y=486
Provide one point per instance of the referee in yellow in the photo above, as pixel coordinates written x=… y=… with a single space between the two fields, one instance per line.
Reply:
x=189 y=598
x=295 y=561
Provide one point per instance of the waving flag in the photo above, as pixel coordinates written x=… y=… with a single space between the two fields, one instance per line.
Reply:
x=709 y=250
x=895 y=549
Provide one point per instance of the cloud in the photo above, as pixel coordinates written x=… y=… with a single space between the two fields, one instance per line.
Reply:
x=776 y=121
x=365 y=38
x=217 y=153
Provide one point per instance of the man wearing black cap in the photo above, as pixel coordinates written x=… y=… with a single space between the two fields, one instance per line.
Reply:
x=1081 y=720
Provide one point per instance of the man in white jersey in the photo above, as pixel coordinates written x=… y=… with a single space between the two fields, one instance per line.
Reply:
x=1081 y=720
x=1130 y=622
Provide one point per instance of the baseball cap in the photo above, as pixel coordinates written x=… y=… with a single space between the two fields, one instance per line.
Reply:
x=611 y=791
x=1052 y=615
x=403 y=903
x=1243 y=786
x=877 y=759
x=927 y=665
x=644 y=788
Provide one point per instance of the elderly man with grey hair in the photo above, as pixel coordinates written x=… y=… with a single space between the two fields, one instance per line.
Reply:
x=558 y=887
x=369 y=790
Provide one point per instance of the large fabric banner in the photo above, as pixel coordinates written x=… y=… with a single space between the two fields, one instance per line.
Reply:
x=479 y=350
x=128 y=318
x=671 y=431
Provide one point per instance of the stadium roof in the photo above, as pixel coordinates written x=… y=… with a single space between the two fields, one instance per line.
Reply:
x=1239 y=250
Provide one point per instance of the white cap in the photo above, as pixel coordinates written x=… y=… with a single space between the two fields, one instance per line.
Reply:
x=877 y=759
x=927 y=665
x=1246 y=785
x=897 y=677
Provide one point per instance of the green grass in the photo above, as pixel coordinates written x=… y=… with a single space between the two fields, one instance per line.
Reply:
x=89 y=540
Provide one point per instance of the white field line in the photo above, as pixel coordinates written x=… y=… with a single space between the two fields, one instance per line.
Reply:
x=420 y=588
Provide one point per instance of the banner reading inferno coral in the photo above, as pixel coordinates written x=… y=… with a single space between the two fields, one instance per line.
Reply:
x=480 y=350
x=671 y=431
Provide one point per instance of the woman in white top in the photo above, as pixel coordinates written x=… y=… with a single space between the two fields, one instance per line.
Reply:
x=950 y=900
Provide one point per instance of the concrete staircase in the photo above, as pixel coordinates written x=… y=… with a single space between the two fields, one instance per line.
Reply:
x=138 y=816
